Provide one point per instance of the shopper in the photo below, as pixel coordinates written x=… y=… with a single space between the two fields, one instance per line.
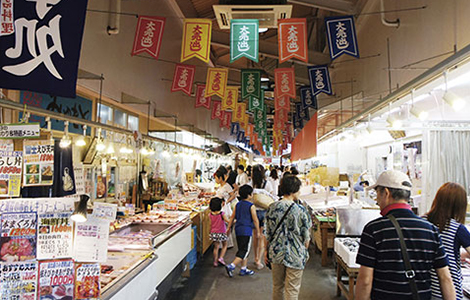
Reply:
x=245 y=220
x=294 y=171
x=260 y=186
x=248 y=173
x=232 y=176
x=273 y=179
x=225 y=192
x=448 y=214
x=218 y=233
x=382 y=274
x=242 y=178
x=287 y=245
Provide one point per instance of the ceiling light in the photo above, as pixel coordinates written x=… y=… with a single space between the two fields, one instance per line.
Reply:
x=264 y=79
x=65 y=141
x=81 y=140
x=420 y=114
x=394 y=122
x=100 y=146
x=110 y=149
x=262 y=29
x=454 y=100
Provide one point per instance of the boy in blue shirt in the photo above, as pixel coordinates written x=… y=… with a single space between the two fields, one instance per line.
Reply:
x=244 y=216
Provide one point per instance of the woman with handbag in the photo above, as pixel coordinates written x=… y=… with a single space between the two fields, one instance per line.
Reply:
x=287 y=232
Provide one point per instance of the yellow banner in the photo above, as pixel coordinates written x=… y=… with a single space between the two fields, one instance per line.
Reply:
x=216 y=82
x=239 y=115
x=229 y=102
x=196 y=40
x=245 y=122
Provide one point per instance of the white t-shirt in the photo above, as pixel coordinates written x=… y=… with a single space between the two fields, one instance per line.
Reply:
x=275 y=184
x=242 y=179
x=224 y=191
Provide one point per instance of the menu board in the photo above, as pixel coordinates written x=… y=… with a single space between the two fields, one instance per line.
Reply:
x=105 y=211
x=87 y=281
x=56 y=279
x=38 y=162
x=91 y=240
x=19 y=131
x=19 y=280
x=39 y=205
x=55 y=236
x=11 y=163
x=18 y=236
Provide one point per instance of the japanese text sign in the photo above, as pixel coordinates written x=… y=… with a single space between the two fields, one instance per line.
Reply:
x=38 y=162
x=19 y=280
x=42 y=53
x=105 y=211
x=307 y=98
x=320 y=80
x=244 y=39
x=298 y=122
x=19 y=131
x=196 y=40
x=251 y=83
x=55 y=236
x=244 y=123
x=6 y=17
x=91 y=240
x=256 y=103
x=341 y=35
x=56 y=279
x=234 y=128
x=183 y=78
x=11 y=166
x=229 y=102
x=148 y=35
x=292 y=39
x=239 y=115
x=241 y=136
x=18 y=236
x=282 y=103
x=201 y=100
x=87 y=281
x=216 y=82
x=285 y=82
x=226 y=119
x=216 y=112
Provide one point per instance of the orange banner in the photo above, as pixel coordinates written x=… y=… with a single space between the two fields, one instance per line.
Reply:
x=239 y=115
x=244 y=123
x=285 y=82
x=216 y=82
x=304 y=145
x=196 y=41
x=229 y=102
x=292 y=39
x=249 y=132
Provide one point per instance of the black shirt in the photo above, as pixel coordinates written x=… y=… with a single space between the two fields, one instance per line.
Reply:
x=232 y=177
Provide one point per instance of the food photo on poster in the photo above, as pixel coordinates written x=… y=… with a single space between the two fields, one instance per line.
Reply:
x=18 y=236
x=56 y=280
x=19 y=280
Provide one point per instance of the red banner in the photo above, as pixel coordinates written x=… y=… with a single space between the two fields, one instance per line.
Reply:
x=292 y=39
x=216 y=111
x=202 y=101
x=304 y=145
x=282 y=103
x=148 y=35
x=226 y=119
x=285 y=82
x=278 y=124
x=183 y=78
x=282 y=115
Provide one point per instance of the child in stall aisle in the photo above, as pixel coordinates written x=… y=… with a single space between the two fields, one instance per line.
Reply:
x=226 y=193
x=244 y=216
x=218 y=230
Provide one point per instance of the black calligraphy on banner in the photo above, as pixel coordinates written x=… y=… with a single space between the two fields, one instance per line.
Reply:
x=42 y=53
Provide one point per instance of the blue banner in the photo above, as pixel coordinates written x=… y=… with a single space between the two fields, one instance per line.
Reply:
x=42 y=50
x=298 y=122
x=234 y=128
x=298 y=109
x=307 y=97
x=320 y=80
x=240 y=136
x=304 y=114
x=76 y=107
x=341 y=35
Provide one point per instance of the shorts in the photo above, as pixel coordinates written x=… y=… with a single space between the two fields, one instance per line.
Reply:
x=217 y=237
x=244 y=245
x=261 y=214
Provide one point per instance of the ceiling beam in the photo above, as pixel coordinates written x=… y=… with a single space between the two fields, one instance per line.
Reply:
x=339 y=6
x=269 y=49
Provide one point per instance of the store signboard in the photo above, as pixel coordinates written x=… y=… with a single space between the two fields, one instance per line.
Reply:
x=38 y=162
x=18 y=236
x=56 y=279
x=19 y=280
x=91 y=240
x=54 y=236
x=19 y=131
x=77 y=107
x=87 y=281
x=11 y=166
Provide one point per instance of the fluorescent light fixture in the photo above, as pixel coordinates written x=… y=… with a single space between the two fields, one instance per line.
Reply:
x=262 y=29
x=420 y=114
x=80 y=213
x=454 y=100
x=264 y=79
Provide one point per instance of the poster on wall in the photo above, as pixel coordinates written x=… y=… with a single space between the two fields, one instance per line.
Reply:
x=18 y=236
x=38 y=162
x=91 y=240
x=56 y=279
x=11 y=164
x=6 y=145
x=55 y=236
x=19 y=280
x=87 y=281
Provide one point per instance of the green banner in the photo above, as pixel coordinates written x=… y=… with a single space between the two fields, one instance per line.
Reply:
x=251 y=83
x=256 y=103
x=244 y=39
x=258 y=114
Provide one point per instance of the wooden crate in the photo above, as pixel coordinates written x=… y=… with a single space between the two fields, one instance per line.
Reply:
x=318 y=238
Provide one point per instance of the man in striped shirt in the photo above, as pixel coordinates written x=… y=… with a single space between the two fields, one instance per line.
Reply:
x=382 y=273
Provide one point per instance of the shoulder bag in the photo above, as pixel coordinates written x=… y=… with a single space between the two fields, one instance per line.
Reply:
x=275 y=232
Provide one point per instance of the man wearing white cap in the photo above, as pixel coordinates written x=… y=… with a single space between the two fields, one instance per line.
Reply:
x=398 y=250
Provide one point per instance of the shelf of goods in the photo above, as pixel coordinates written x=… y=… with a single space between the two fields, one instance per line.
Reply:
x=142 y=252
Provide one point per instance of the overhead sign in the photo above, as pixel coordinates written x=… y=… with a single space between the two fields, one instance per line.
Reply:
x=148 y=35
x=320 y=80
x=292 y=39
x=251 y=83
x=183 y=78
x=216 y=82
x=341 y=35
x=19 y=131
x=201 y=100
x=285 y=82
x=196 y=41
x=229 y=102
x=308 y=100
x=244 y=39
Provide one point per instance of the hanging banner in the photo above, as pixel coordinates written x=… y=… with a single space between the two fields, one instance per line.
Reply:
x=282 y=103
x=256 y=103
x=11 y=166
x=278 y=125
x=226 y=120
x=244 y=123
x=18 y=236
x=251 y=83
x=259 y=114
x=341 y=35
x=282 y=115
x=292 y=39
x=40 y=46
x=298 y=122
x=304 y=113
x=244 y=39
x=320 y=80
x=196 y=41
x=285 y=82
x=87 y=281
x=202 y=101
x=56 y=279
x=38 y=162
x=183 y=78
x=216 y=111
x=19 y=131
x=55 y=236
x=234 y=128
x=307 y=98
x=229 y=102
x=250 y=131
x=259 y=126
x=19 y=280
x=148 y=35
x=240 y=136
x=239 y=115
x=289 y=133
x=216 y=82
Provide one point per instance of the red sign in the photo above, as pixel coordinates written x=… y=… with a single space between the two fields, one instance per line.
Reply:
x=6 y=17
x=183 y=78
x=285 y=82
x=282 y=115
x=282 y=103
x=292 y=39
x=202 y=101
x=216 y=111
x=226 y=119
x=148 y=35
